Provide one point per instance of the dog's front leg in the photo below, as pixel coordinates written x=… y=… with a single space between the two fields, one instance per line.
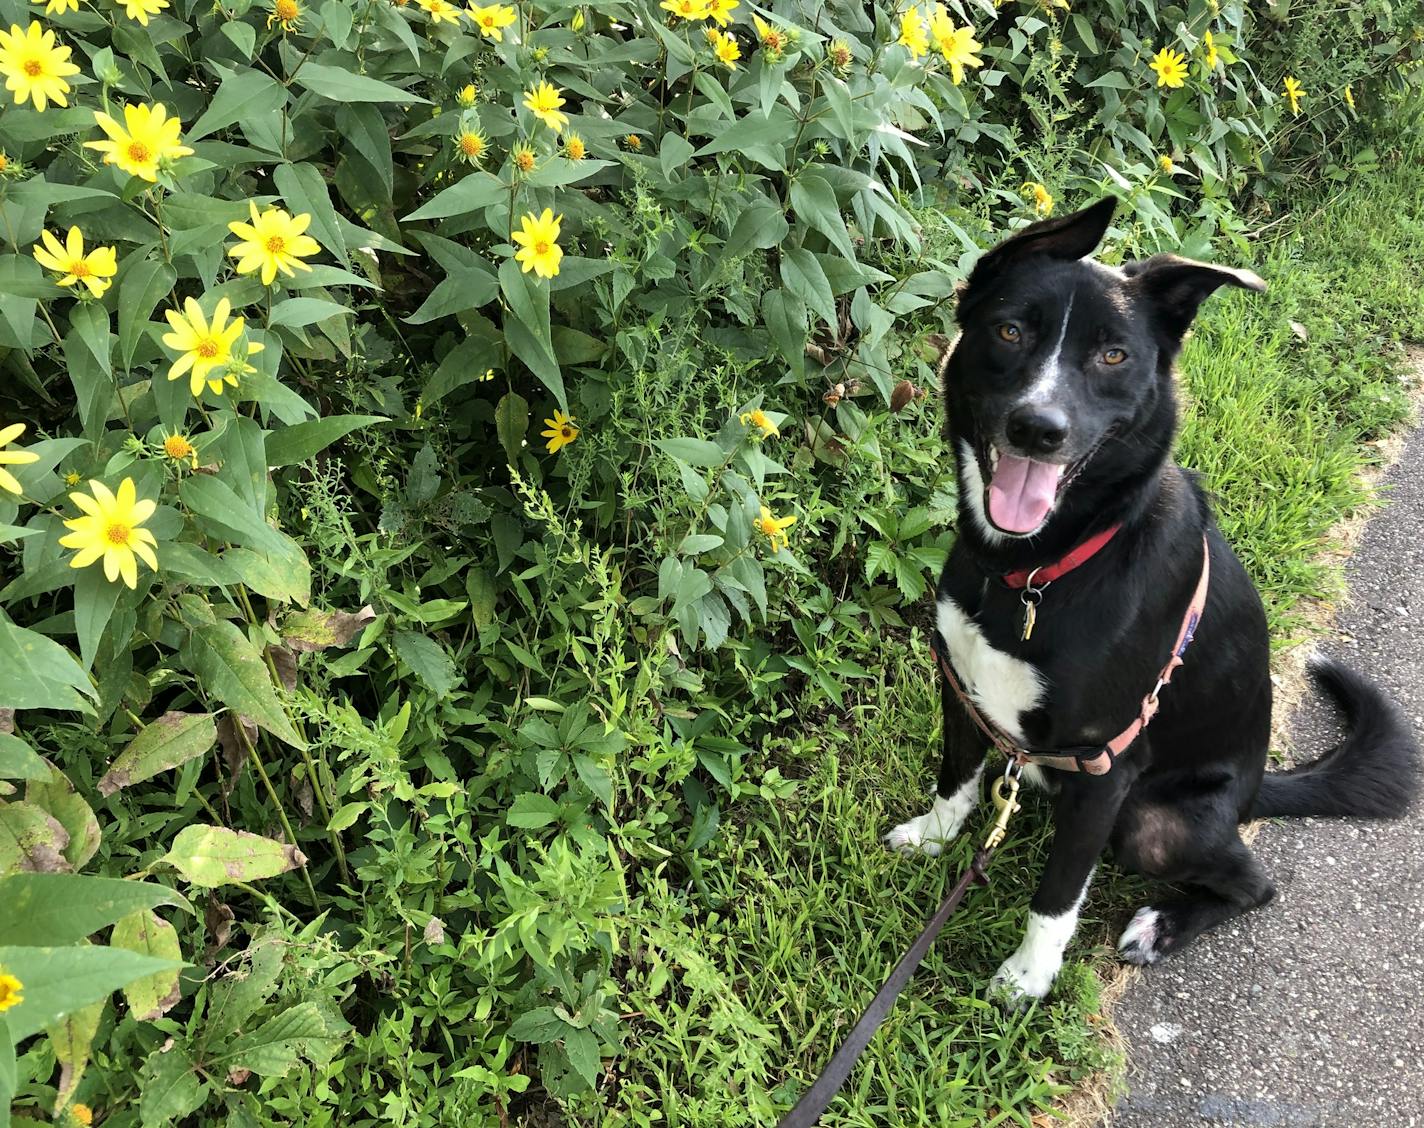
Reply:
x=1083 y=818
x=958 y=792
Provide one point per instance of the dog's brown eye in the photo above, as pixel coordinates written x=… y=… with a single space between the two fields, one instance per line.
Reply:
x=1009 y=332
x=1114 y=356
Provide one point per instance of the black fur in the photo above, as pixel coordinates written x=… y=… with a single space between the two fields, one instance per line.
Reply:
x=1035 y=372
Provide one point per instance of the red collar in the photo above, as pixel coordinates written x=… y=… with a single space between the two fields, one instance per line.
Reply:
x=1047 y=573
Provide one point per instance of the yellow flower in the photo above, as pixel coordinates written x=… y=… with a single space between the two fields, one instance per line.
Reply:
x=774 y=527
x=82 y=1114
x=72 y=478
x=758 y=419
x=1211 y=53
x=1349 y=96
x=273 y=241
x=141 y=9
x=840 y=55
x=523 y=157
x=633 y=141
x=10 y=989
x=34 y=66
x=725 y=47
x=492 y=20
x=1042 y=200
x=58 y=7
x=467 y=95
x=1171 y=68
x=148 y=138
x=95 y=269
x=574 y=147
x=544 y=102
x=288 y=13
x=687 y=9
x=1166 y=164
x=206 y=347
x=912 y=33
x=773 y=39
x=538 y=241
x=180 y=448
x=472 y=145
x=956 y=44
x=441 y=11
x=718 y=10
x=111 y=527
x=1294 y=92
x=7 y=480
x=561 y=431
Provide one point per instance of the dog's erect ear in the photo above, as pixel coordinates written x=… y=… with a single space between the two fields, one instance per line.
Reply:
x=1177 y=286
x=1069 y=238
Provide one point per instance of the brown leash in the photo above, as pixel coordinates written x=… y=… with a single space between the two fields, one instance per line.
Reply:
x=814 y=1100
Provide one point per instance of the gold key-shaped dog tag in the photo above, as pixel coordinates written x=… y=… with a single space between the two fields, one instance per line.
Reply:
x=1030 y=615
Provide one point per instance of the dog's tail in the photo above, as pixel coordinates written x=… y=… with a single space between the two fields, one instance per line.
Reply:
x=1373 y=773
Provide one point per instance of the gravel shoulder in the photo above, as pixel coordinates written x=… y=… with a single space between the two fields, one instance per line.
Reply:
x=1310 y=1012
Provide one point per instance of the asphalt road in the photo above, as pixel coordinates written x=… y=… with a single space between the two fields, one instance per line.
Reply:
x=1310 y=1012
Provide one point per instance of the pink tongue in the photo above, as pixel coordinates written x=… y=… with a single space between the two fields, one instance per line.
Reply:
x=1021 y=493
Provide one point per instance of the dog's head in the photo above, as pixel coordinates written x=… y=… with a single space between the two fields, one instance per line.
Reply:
x=1059 y=387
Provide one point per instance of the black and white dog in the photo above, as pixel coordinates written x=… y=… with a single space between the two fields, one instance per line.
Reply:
x=1061 y=408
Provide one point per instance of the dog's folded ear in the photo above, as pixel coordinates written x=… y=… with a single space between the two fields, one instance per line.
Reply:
x=1068 y=238
x=1177 y=286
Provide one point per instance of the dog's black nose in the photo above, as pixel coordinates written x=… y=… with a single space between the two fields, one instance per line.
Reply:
x=1037 y=429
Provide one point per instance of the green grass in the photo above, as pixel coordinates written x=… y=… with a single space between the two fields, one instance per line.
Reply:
x=771 y=946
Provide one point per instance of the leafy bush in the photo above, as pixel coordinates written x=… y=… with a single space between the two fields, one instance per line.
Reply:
x=297 y=592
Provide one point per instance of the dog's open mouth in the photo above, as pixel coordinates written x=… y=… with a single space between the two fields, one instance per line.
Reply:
x=1021 y=492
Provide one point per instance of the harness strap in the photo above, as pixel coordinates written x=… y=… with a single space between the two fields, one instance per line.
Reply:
x=1092 y=759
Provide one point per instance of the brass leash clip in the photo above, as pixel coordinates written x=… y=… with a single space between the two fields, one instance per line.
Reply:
x=1005 y=794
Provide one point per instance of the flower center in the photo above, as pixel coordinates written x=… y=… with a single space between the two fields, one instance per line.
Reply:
x=33 y=67
x=138 y=152
x=487 y=21
x=567 y=432
x=541 y=247
x=207 y=348
x=287 y=9
x=117 y=534
x=80 y=269
x=176 y=446
x=275 y=245
x=471 y=145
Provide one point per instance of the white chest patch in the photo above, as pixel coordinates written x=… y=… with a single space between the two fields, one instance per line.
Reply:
x=1002 y=686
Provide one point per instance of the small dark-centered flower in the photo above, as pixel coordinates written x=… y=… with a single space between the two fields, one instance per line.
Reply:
x=758 y=419
x=774 y=527
x=1171 y=68
x=561 y=431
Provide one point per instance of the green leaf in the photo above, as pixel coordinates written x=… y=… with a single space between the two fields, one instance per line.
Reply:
x=365 y=130
x=61 y=980
x=212 y=856
x=94 y=600
x=231 y=669
x=56 y=796
x=695 y=452
x=342 y=85
x=475 y=191
x=91 y=321
x=785 y=316
x=169 y=1088
x=18 y=761
x=71 y=1038
x=815 y=203
x=532 y=810
x=48 y=908
x=297 y=313
x=142 y=288
x=172 y=740
x=511 y=423
x=582 y=1048
x=304 y=189
x=230 y=516
x=758 y=227
x=346 y=816
x=301 y=441
x=559 y=172
x=31 y=840
x=428 y=659
x=243 y=95
x=803 y=275
x=538 y=1026
x=148 y=934
x=274 y=1048
x=39 y=673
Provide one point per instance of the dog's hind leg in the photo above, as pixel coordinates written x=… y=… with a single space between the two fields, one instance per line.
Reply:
x=1226 y=885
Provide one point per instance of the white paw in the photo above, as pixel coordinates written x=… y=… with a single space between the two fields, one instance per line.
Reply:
x=1140 y=940
x=928 y=833
x=1023 y=978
